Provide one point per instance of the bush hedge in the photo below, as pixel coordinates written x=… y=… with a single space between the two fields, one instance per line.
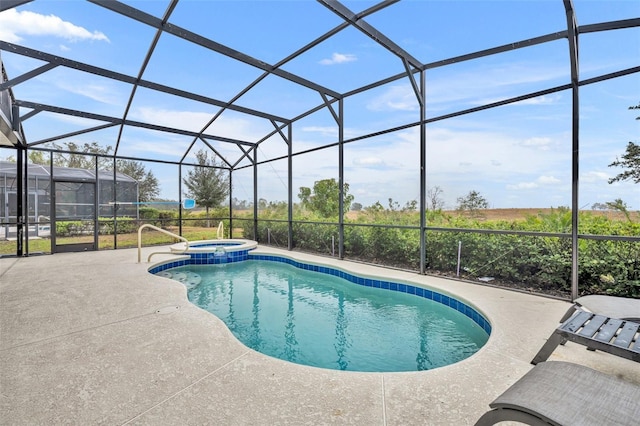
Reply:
x=538 y=263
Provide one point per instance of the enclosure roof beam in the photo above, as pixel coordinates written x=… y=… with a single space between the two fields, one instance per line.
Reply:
x=26 y=76
x=10 y=4
x=143 y=67
x=342 y=11
x=331 y=109
x=611 y=25
x=72 y=134
x=280 y=63
x=117 y=121
x=28 y=115
x=215 y=151
x=282 y=135
x=185 y=34
x=246 y=154
x=294 y=55
x=57 y=60
x=412 y=80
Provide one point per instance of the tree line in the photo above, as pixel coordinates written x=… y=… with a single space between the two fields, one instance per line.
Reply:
x=206 y=183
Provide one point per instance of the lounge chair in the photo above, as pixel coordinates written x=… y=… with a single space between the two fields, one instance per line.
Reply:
x=608 y=306
x=563 y=393
x=596 y=332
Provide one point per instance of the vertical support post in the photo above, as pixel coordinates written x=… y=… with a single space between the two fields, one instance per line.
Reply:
x=20 y=153
x=255 y=194
x=180 y=199
x=52 y=205
x=459 y=254
x=290 y=185
x=36 y=207
x=230 y=203
x=572 y=34
x=423 y=175
x=114 y=209
x=341 y=178
x=20 y=200
x=137 y=201
x=3 y=200
x=25 y=246
x=96 y=204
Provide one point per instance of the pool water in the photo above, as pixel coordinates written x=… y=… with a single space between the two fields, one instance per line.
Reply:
x=325 y=321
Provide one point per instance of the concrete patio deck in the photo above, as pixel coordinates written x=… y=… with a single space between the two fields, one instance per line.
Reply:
x=92 y=338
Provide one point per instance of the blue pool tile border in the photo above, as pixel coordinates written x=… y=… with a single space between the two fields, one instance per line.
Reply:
x=239 y=256
x=443 y=299
x=211 y=258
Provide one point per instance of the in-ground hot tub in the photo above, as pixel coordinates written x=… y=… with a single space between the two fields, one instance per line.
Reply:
x=215 y=251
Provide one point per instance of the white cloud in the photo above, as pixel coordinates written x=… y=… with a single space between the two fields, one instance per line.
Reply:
x=368 y=161
x=163 y=147
x=541 y=181
x=549 y=180
x=477 y=86
x=523 y=185
x=479 y=155
x=98 y=92
x=491 y=82
x=78 y=121
x=187 y=120
x=594 y=176
x=14 y=25
x=339 y=58
x=469 y=156
x=396 y=98
x=225 y=126
x=542 y=143
x=325 y=130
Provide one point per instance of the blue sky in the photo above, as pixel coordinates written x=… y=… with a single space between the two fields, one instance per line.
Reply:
x=516 y=156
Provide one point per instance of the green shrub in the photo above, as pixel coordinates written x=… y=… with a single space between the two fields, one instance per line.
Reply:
x=537 y=263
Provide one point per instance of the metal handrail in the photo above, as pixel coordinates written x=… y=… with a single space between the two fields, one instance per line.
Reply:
x=220 y=233
x=147 y=225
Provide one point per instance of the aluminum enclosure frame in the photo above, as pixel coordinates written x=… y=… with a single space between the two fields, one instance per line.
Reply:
x=329 y=99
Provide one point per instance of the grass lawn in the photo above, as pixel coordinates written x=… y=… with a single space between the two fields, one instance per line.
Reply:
x=106 y=242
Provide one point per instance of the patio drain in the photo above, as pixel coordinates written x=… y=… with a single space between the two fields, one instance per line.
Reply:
x=167 y=310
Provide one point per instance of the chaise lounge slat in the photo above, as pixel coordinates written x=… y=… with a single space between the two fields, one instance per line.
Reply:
x=608 y=330
x=612 y=335
x=562 y=393
x=625 y=337
x=577 y=321
x=593 y=326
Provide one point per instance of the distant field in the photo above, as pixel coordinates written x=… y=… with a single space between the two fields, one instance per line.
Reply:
x=518 y=214
x=522 y=214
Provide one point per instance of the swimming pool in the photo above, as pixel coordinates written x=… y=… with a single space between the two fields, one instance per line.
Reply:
x=315 y=317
